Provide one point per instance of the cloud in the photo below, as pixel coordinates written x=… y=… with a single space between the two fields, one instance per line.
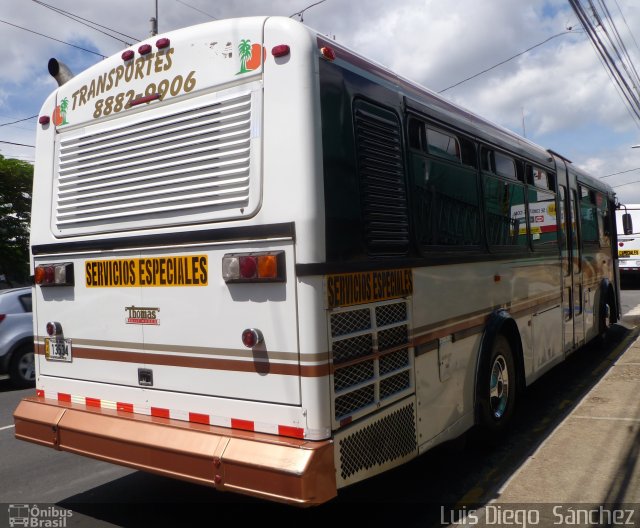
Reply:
x=568 y=101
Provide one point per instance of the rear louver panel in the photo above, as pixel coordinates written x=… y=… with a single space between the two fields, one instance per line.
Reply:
x=382 y=181
x=178 y=166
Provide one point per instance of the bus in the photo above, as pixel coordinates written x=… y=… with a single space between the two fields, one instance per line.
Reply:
x=267 y=264
x=628 y=242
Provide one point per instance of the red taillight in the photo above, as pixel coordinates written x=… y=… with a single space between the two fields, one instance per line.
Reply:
x=254 y=267
x=44 y=120
x=2 y=316
x=54 y=274
x=281 y=50
x=621 y=244
x=248 y=267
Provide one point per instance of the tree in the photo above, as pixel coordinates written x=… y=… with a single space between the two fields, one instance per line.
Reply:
x=16 y=180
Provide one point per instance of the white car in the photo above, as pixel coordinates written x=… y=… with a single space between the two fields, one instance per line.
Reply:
x=16 y=337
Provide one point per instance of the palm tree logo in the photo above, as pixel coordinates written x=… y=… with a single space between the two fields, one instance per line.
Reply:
x=64 y=104
x=245 y=55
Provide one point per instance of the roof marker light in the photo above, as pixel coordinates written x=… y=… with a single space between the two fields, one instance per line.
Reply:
x=163 y=43
x=281 y=50
x=144 y=49
x=44 y=120
x=328 y=53
x=127 y=55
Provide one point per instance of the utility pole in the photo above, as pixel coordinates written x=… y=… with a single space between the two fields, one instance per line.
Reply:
x=154 y=22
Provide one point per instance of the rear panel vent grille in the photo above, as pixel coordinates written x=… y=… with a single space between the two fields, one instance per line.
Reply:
x=382 y=179
x=377 y=445
x=174 y=164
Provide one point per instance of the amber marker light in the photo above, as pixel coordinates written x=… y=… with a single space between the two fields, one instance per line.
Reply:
x=267 y=267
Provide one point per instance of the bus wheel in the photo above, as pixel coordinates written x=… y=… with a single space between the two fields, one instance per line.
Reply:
x=496 y=390
x=607 y=315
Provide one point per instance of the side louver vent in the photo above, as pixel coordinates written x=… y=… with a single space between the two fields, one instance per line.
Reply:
x=382 y=180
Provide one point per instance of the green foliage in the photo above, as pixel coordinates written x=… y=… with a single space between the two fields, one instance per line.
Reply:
x=16 y=180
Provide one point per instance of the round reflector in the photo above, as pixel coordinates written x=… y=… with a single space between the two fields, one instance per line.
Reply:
x=251 y=337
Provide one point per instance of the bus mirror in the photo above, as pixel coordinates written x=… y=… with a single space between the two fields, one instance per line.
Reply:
x=627 y=224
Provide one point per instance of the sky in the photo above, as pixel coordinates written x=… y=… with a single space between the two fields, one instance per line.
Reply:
x=558 y=94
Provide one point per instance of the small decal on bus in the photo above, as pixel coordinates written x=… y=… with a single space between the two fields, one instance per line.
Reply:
x=348 y=289
x=142 y=315
x=251 y=56
x=191 y=270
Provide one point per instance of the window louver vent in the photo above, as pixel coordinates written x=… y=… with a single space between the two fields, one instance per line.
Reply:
x=382 y=180
x=183 y=165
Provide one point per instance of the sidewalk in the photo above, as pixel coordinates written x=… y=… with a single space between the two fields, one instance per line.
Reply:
x=593 y=455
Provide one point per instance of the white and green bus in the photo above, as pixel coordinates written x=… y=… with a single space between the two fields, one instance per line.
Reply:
x=267 y=264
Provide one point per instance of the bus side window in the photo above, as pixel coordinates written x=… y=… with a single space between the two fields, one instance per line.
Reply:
x=604 y=221
x=445 y=188
x=505 y=205
x=543 y=216
x=588 y=216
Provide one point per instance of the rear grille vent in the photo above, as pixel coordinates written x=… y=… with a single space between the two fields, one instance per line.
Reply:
x=181 y=165
x=372 y=358
x=382 y=179
x=378 y=443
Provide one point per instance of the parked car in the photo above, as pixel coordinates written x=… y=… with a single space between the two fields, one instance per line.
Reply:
x=16 y=337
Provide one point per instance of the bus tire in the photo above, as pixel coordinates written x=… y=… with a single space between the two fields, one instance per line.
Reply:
x=496 y=390
x=607 y=316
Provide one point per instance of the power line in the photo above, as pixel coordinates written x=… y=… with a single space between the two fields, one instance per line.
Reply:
x=18 y=121
x=83 y=21
x=603 y=51
x=301 y=12
x=625 y=23
x=507 y=60
x=196 y=9
x=18 y=144
x=623 y=184
x=621 y=172
x=57 y=40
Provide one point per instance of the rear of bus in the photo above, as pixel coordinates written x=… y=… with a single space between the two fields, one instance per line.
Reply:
x=176 y=187
x=629 y=244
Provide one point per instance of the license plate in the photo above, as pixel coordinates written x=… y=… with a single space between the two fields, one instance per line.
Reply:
x=57 y=349
x=628 y=252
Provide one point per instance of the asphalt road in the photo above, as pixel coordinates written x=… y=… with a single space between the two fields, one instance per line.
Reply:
x=100 y=494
